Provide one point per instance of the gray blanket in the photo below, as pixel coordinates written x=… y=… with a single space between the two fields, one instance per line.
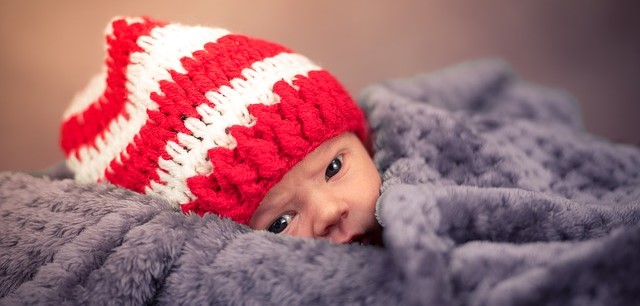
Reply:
x=493 y=194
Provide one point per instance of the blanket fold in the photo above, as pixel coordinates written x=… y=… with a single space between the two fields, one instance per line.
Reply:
x=493 y=194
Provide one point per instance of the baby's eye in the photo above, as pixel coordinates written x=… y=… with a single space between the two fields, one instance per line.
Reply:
x=280 y=224
x=334 y=167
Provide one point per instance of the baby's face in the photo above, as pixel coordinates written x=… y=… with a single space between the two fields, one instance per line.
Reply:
x=330 y=194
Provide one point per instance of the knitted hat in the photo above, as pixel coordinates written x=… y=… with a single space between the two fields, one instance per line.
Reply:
x=205 y=118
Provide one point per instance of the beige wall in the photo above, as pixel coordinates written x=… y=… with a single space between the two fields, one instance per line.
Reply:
x=49 y=49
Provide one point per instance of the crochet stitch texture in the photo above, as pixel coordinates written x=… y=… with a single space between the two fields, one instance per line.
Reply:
x=205 y=118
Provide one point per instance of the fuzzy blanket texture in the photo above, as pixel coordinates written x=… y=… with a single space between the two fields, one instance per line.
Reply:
x=493 y=194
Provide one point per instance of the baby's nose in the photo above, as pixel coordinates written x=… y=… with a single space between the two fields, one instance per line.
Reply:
x=328 y=213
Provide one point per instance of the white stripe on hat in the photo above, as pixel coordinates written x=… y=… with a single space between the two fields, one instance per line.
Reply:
x=163 y=49
x=189 y=157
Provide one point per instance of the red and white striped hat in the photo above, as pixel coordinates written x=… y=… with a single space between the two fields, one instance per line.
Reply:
x=207 y=119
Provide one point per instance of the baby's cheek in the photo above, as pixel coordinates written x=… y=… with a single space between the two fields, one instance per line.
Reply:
x=372 y=191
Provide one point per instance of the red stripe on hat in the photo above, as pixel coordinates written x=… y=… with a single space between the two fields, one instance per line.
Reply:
x=83 y=129
x=284 y=133
x=207 y=70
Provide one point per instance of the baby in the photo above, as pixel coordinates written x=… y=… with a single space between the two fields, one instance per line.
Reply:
x=216 y=122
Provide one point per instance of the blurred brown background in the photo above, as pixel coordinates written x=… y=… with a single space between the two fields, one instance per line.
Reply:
x=49 y=49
